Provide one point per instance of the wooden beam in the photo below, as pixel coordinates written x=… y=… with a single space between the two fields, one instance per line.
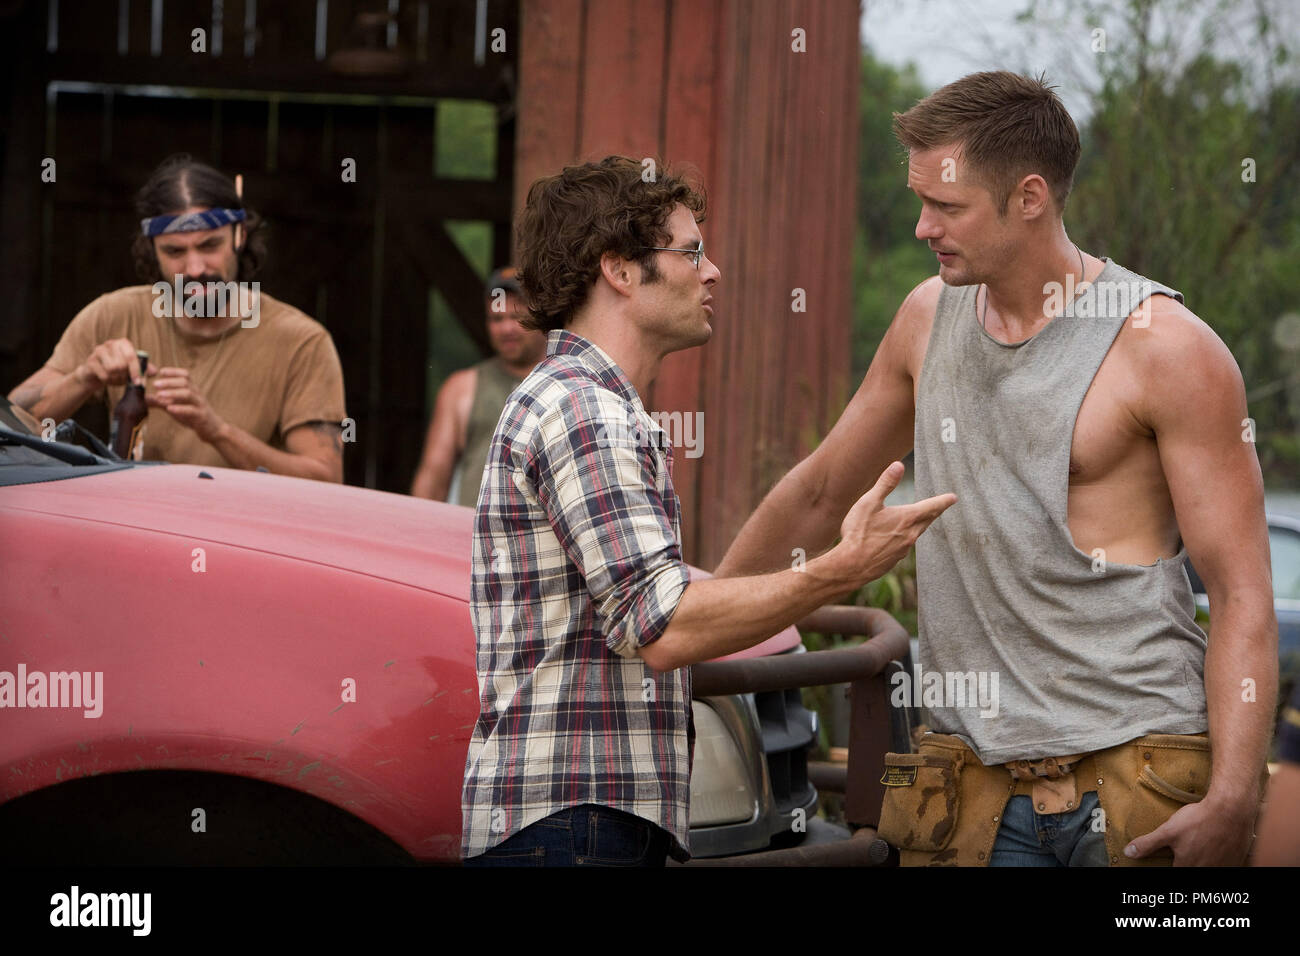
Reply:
x=408 y=197
x=435 y=79
x=442 y=265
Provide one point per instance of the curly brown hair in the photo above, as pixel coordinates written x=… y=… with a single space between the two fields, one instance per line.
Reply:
x=178 y=183
x=572 y=219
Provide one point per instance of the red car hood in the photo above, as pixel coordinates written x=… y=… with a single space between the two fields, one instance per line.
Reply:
x=411 y=541
x=407 y=540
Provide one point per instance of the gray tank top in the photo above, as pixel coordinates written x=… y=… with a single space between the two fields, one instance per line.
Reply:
x=493 y=386
x=1039 y=649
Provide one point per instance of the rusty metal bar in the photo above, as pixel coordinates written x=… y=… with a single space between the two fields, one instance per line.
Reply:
x=828 y=777
x=869 y=740
x=849 y=620
x=864 y=668
x=888 y=641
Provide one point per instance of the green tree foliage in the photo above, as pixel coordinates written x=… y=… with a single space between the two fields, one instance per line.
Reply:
x=887 y=258
x=1190 y=161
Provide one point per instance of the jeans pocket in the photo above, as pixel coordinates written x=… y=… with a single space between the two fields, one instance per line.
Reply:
x=920 y=806
x=524 y=856
x=617 y=839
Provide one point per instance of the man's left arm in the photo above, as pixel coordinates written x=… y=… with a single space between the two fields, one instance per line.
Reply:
x=311 y=418
x=1195 y=403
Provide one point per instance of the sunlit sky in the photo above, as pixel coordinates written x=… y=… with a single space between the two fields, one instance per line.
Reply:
x=943 y=37
x=947 y=39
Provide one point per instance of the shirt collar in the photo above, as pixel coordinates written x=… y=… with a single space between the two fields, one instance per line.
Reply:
x=564 y=342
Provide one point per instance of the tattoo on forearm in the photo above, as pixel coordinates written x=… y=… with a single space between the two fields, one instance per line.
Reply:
x=25 y=398
x=331 y=431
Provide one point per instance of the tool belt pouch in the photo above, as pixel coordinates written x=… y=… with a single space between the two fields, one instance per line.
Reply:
x=920 y=806
x=1144 y=782
x=946 y=813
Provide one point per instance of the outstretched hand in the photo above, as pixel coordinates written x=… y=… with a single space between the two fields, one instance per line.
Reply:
x=874 y=537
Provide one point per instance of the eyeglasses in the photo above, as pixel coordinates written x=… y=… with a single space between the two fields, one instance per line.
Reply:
x=693 y=254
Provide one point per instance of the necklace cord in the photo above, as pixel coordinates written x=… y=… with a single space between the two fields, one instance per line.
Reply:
x=1082 y=283
x=176 y=348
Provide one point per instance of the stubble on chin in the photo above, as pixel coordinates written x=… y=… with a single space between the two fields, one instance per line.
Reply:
x=957 y=277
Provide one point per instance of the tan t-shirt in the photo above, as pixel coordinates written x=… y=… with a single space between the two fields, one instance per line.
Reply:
x=266 y=379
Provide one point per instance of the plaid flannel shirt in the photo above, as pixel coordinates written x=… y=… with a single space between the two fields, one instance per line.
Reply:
x=576 y=564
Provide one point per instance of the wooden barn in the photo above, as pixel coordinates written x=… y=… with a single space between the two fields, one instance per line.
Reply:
x=449 y=110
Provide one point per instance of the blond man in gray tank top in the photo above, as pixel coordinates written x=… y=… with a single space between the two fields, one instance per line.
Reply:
x=1096 y=434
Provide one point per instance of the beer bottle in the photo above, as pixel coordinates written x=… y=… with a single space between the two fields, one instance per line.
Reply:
x=126 y=435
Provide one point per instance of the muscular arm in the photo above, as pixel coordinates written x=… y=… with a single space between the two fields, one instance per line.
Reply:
x=1196 y=405
x=445 y=439
x=312 y=450
x=806 y=507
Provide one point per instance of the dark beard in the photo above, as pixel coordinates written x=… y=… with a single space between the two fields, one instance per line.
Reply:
x=210 y=299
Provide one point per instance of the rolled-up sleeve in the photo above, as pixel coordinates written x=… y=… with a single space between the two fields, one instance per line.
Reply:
x=598 y=479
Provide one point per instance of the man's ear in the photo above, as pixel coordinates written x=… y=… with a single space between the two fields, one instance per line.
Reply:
x=1032 y=197
x=618 y=272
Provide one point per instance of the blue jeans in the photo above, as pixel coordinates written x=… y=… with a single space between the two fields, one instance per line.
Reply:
x=586 y=835
x=1029 y=838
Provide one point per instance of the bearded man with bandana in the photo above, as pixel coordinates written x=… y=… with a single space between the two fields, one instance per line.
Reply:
x=238 y=381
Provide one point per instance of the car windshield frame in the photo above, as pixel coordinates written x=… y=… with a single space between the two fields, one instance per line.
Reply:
x=57 y=460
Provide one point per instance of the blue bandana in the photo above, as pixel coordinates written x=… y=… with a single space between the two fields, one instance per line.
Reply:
x=191 y=221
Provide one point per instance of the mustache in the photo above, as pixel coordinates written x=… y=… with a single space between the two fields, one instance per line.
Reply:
x=203 y=279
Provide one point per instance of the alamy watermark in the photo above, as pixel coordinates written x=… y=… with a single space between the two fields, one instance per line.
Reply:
x=684 y=430
x=209 y=300
x=83 y=689
x=75 y=908
x=1099 y=298
x=946 y=689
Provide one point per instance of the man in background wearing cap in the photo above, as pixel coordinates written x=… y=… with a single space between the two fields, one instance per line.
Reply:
x=255 y=385
x=470 y=401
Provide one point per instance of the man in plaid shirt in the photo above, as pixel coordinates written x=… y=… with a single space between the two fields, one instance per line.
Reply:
x=584 y=612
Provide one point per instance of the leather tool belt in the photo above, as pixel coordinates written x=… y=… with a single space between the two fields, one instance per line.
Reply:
x=943 y=807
